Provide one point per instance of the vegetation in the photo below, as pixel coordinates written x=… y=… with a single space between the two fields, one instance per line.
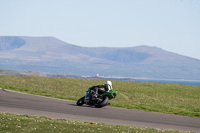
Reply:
x=24 y=124
x=155 y=97
x=9 y=72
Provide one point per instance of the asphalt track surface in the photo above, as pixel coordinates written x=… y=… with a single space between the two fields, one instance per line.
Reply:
x=20 y=103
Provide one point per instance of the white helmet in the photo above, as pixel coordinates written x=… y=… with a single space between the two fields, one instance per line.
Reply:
x=109 y=83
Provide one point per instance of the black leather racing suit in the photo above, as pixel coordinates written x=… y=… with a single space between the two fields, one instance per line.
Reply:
x=97 y=89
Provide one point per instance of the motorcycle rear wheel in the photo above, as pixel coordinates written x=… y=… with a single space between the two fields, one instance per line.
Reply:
x=80 y=102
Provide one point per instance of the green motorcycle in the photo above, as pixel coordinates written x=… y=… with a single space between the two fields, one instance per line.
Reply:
x=98 y=100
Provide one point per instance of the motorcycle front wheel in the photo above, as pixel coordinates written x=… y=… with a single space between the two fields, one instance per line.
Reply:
x=103 y=103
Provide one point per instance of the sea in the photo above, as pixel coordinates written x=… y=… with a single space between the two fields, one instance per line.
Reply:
x=184 y=82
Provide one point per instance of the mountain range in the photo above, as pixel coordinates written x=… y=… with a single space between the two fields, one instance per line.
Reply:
x=51 y=55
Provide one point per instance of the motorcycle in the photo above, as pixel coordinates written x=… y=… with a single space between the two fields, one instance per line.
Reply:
x=98 y=100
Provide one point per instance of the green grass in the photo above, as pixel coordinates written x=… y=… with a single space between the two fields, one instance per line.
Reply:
x=154 y=97
x=11 y=123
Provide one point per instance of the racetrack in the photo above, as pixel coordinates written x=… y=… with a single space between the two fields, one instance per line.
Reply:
x=20 y=103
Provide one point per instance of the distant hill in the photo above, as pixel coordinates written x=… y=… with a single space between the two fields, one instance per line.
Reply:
x=51 y=55
x=4 y=72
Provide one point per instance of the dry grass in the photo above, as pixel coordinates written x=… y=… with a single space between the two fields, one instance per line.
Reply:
x=11 y=123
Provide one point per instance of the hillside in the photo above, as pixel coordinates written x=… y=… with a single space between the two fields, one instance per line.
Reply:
x=51 y=55
x=154 y=97
x=4 y=72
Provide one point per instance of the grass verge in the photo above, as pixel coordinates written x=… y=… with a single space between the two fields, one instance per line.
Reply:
x=154 y=97
x=13 y=123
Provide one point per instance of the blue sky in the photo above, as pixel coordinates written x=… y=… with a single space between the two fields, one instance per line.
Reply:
x=173 y=25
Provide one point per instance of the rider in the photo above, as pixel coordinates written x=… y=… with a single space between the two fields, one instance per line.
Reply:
x=97 y=89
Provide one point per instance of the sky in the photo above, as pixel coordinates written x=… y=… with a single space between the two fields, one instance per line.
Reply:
x=173 y=25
